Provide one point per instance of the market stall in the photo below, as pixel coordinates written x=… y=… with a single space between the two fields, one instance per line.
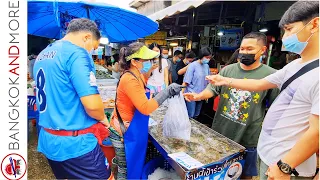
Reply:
x=107 y=87
x=208 y=154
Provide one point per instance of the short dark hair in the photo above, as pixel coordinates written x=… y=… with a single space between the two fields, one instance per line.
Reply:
x=190 y=54
x=165 y=48
x=177 y=53
x=205 y=52
x=127 y=51
x=300 y=11
x=83 y=24
x=258 y=36
x=116 y=58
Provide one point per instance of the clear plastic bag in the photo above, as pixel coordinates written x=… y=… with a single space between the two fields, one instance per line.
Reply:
x=176 y=123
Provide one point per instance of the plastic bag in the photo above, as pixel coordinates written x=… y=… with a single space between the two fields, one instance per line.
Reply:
x=176 y=123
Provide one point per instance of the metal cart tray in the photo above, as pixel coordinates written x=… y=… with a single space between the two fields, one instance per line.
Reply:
x=222 y=157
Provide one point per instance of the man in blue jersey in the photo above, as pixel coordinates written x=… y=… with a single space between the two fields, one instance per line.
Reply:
x=72 y=115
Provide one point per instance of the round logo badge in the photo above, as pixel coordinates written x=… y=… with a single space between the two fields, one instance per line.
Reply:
x=13 y=166
x=234 y=171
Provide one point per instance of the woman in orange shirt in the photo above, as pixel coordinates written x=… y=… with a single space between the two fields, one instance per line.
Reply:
x=129 y=122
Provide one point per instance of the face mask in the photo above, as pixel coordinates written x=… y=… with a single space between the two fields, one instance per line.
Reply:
x=292 y=43
x=246 y=59
x=261 y=59
x=178 y=60
x=92 y=50
x=165 y=56
x=146 y=67
x=112 y=60
x=205 y=61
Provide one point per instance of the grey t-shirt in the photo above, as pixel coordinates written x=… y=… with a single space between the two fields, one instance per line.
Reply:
x=172 y=67
x=288 y=117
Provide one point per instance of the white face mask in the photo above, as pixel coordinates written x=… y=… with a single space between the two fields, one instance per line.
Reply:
x=92 y=50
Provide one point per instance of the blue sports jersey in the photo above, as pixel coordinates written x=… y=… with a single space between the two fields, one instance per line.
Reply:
x=64 y=73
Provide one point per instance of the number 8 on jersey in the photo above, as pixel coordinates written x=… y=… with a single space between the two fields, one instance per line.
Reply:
x=41 y=94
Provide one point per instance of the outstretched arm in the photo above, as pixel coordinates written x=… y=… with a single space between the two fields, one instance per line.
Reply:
x=244 y=84
x=274 y=80
x=205 y=94
x=183 y=70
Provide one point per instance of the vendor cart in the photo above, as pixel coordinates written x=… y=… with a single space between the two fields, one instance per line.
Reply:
x=221 y=158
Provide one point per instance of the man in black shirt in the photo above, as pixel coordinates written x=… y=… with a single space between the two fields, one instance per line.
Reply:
x=172 y=62
x=182 y=66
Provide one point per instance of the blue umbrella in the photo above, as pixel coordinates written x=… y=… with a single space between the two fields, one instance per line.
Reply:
x=50 y=18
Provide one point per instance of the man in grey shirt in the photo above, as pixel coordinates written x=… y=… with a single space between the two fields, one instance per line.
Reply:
x=172 y=62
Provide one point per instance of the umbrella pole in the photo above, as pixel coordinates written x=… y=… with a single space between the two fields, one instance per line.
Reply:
x=88 y=13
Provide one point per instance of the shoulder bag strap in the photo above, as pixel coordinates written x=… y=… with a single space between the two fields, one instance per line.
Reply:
x=122 y=126
x=301 y=72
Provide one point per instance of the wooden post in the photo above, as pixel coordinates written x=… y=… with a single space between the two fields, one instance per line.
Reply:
x=221 y=9
x=88 y=13
x=177 y=20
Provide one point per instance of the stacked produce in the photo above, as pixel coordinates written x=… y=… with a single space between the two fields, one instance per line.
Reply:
x=106 y=86
x=108 y=94
x=103 y=75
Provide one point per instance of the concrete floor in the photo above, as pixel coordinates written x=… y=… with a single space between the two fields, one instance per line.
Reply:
x=38 y=167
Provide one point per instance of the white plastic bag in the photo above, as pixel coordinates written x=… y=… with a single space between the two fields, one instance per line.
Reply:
x=176 y=123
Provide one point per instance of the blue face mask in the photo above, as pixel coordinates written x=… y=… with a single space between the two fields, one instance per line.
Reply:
x=178 y=60
x=165 y=56
x=146 y=67
x=292 y=43
x=205 y=61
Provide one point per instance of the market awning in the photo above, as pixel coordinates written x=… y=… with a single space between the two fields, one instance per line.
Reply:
x=177 y=8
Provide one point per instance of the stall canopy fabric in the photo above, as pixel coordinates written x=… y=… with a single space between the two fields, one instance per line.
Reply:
x=50 y=18
x=177 y=8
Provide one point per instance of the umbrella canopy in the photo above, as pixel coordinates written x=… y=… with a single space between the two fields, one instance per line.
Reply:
x=50 y=17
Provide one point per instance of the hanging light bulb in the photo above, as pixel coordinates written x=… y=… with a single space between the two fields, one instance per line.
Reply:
x=173 y=44
x=220 y=33
x=263 y=30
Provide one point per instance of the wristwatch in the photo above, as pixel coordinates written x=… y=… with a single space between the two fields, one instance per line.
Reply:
x=285 y=168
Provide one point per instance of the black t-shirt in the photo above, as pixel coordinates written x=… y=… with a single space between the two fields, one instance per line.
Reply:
x=180 y=65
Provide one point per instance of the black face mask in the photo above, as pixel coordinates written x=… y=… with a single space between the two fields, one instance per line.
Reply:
x=247 y=59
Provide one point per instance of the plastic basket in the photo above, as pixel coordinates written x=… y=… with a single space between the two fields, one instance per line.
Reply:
x=152 y=165
x=152 y=152
x=33 y=113
x=108 y=151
